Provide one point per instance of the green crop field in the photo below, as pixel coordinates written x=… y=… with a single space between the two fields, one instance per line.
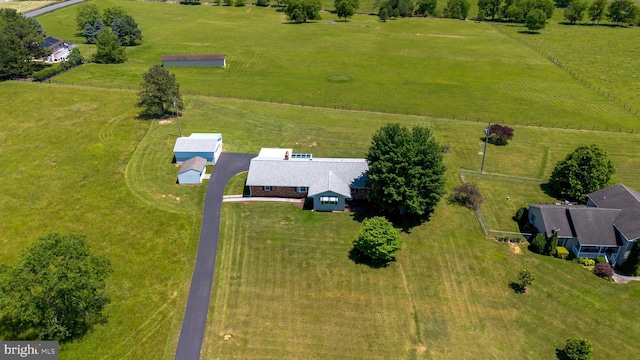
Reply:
x=442 y=67
x=25 y=6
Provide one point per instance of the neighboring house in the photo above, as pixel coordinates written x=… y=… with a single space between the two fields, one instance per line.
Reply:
x=60 y=49
x=208 y=146
x=329 y=181
x=192 y=171
x=608 y=226
x=218 y=60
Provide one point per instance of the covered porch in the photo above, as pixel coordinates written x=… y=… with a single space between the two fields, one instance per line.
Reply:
x=594 y=251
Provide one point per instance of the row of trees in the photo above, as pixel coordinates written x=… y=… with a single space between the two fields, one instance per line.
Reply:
x=618 y=11
x=91 y=21
x=20 y=40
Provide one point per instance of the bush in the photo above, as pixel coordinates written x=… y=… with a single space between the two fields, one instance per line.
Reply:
x=586 y=261
x=466 y=194
x=240 y=3
x=578 y=349
x=538 y=243
x=601 y=259
x=562 y=252
x=521 y=216
x=631 y=266
x=500 y=135
x=262 y=3
x=51 y=71
x=378 y=240
x=603 y=270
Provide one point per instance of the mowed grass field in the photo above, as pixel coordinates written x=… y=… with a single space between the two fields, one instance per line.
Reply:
x=25 y=6
x=285 y=286
x=63 y=166
x=442 y=67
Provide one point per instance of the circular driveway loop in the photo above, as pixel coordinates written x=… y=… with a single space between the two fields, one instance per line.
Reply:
x=195 y=317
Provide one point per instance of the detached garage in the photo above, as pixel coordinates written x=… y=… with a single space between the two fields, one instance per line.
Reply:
x=207 y=146
x=217 y=60
x=192 y=171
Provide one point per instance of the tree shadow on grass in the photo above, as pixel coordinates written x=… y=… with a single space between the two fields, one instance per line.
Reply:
x=517 y=288
x=548 y=190
x=561 y=355
x=361 y=259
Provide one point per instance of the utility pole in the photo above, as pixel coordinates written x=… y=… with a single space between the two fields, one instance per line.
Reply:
x=175 y=105
x=486 y=139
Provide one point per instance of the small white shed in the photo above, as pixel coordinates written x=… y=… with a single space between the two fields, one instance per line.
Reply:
x=192 y=171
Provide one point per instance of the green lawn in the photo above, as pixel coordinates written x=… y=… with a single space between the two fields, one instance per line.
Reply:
x=64 y=156
x=286 y=288
x=25 y=6
x=442 y=67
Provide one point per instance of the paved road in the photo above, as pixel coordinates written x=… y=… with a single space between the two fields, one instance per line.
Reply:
x=195 y=317
x=47 y=9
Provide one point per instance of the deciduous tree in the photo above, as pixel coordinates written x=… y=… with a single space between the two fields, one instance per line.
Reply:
x=536 y=19
x=578 y=349
x=127 y=30
x=597 y=10
x=526 y=278
x=466 y=194
x=55 y=290
x=575 y=11
x=344 y=9
x=87 y=13
x=500 y=134
x=113 y=12
x=158 y=91
x=20 y=41
x=583 y=171
x=378 y=240
x=426 y=7
x=406 y=171
x=108 y=49
x=301 y=11
x=457 y=9
x=622 y=12
x=490 y=8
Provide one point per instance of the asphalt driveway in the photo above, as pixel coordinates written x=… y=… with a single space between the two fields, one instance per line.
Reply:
x=195 y=317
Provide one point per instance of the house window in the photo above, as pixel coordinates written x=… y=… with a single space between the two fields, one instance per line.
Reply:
x=329 y=200
x=266 y=188
x=302 y=189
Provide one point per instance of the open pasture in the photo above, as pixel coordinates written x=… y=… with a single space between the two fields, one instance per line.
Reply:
x=441 y=67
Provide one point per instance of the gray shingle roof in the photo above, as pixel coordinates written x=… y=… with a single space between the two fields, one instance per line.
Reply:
x=555 y=217
x=330 y=183
x=616 y=197
x=317 y=174
x=195 y=163
x=189 y=144
x=594 y=226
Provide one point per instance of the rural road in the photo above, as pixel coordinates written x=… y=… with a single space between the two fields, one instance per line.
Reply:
x=53 y=7
x=195 y=317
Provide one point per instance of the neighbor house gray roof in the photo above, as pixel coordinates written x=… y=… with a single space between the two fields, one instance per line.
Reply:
x=319 y=174
x=190 y=144
x=594 y=226
x=195 y=163
x=193 y=57
x=628 y=200
x=616 y=197
x=554 y=217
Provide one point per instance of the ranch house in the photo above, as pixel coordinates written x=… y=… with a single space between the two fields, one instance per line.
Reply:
x=608 y=226
x=330 y=182
x=207 y=146
x=218 y=60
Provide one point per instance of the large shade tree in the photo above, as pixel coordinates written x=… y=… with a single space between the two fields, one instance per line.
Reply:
x=406 y=171
x=108 y=48
x=55 y=290
x=159 y=92
x=583 y=171
x=301 y=11
x=20 y=40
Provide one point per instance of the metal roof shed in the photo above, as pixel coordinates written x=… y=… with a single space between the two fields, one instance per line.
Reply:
x=214 y=60
x=188 y=147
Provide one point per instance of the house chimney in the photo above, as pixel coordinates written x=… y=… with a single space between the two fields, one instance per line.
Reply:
x=286 y=155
